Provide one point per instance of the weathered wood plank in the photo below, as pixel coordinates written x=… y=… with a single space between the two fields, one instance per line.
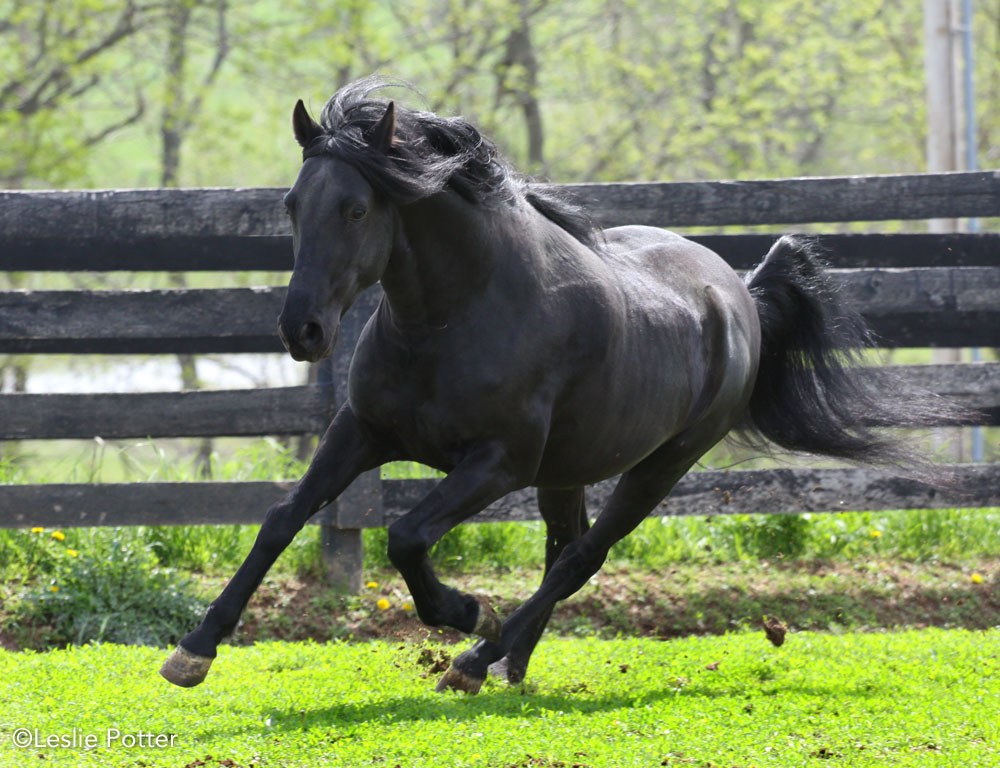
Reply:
x=777 y=491
x=781 y=491
x=878 y=251
x=204 y=320
x=226 y=212
x=177 y=253
x=189 y=320
x=128 y=213
x=943 y=329
x=907 y=307
x=148 y=253
x=939 y=306
x=204 y=413
x=66 y=506
x=882 y=292
x=308 y=410
x=792 y=201
x=974 y=386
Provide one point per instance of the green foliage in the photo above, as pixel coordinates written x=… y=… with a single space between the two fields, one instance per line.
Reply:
x=954 y=534
x=626 y=91
x=818 y=699
x=56 y=59
x=116 y=593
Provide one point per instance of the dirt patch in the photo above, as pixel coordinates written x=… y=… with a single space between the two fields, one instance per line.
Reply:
x=7 y=642
x=434 y=660
x=688 y=599
x=300 y=609
x=684 y=599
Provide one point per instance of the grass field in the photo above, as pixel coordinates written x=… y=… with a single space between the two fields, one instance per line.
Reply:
x=914 y=698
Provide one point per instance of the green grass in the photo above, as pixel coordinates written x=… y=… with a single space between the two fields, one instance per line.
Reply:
x=909 y=699
x=949 y=535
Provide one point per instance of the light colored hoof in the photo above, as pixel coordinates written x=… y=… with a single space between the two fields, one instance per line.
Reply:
x=499 y=668
x=184 y=668
x=458 y=681
x=502 y=669
x=488 y=624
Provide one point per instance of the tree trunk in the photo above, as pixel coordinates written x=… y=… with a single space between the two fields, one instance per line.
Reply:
x=518 y=77
x=173 y=125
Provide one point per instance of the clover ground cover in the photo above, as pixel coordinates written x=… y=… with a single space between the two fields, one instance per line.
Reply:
x=926 y=698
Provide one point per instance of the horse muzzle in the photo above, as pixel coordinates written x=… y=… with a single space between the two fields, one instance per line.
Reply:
x=310 y=343
x=308 y=339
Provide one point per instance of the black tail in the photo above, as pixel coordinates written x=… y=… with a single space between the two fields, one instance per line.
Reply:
x=809 y=395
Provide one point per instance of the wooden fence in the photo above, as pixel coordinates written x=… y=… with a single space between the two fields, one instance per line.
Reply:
x=916 y=290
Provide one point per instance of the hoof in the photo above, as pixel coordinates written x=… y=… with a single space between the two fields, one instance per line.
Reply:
x=505 y=670
x=500 y=668
x=456 y=680
x=488 y=625
x=184 y=668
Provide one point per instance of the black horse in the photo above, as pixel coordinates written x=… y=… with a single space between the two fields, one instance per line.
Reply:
x=518 y=346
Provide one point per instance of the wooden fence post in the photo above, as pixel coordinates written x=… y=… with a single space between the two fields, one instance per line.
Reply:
x=360 y=506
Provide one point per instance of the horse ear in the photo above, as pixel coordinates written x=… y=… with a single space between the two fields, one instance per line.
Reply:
x=380 y=135
x=305 y=128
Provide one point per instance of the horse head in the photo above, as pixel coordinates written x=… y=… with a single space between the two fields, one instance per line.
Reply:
x=342 y=234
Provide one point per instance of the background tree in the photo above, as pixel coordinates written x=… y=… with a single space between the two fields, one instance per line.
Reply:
x=181 y=104
x=60 y=57
x=593 y=90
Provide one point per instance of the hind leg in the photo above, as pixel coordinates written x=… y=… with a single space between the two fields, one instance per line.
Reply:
x=565 y=515
x=638 y=492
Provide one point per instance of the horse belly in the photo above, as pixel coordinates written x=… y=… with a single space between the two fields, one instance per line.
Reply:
x=617 y=418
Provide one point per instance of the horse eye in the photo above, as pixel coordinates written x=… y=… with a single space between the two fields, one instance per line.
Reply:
x=358 y=212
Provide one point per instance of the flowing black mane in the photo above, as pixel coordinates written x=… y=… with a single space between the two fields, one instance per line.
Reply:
x=430 y=153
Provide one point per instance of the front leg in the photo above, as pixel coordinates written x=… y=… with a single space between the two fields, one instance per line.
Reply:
x=483 y=476
x=346 y=450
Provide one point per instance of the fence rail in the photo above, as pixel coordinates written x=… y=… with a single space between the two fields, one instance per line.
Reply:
x=772 y=491
x=273 y=253
x=915 y=289
x=124 y=214
x=907 y=307
x=308 y=409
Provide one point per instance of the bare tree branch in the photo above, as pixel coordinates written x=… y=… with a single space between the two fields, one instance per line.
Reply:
x=101 y=135
x=57 y=80
x=221 y=52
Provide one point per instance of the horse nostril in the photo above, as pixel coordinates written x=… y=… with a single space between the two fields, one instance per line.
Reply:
x=311 y=333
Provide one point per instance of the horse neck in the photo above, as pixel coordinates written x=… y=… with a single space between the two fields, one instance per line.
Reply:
x=447 y=252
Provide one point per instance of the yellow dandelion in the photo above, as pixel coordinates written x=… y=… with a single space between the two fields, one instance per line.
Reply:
x=72 y=552
x=53 y=588
x=372 y=585
x=383 y=604
x=875 y=534
x=58 y=535
x=38 y=529
x=977 y=579
x=407 y=606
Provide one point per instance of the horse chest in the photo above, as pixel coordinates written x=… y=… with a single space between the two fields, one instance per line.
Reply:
x=434 y=402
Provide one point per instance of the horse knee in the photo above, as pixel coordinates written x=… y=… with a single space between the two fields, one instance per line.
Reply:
x=405 y=549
